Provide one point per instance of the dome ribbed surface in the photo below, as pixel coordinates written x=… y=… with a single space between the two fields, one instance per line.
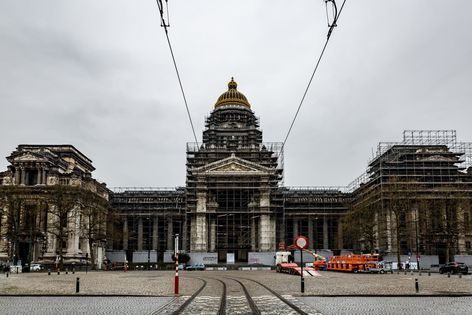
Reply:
x=232 y=96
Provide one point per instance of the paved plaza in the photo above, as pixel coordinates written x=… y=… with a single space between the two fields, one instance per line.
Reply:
x=153 y=305
x=151 y=292
x=160 y=283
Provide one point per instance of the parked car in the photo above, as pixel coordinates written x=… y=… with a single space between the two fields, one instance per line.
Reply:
x=454 y=267
x=196 y=267
x=36 y=267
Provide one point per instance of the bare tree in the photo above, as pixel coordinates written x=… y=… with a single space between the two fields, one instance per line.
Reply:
x=359 y=227
x=94 y=216
x=63 y=200
x=397 y=196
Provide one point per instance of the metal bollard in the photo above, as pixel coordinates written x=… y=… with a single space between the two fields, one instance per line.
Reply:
x=67 y=271
x=405 y=272
x=448 y=274
x=460 y=275
x=77 y=285
x=429 y=273
x=7 y=274
x=419 y=272
x=73 y=270
x=58 y=272
x=49 y=272
x=417 y=287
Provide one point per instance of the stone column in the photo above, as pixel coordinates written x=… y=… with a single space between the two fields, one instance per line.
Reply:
x=110 y=230
x=170 y=234
x=44 y=177
x=38 y=182
x=125 y=233
x=391 y=233
x=51 y=230
x=140 y=233
x=23 y=176
x=212 y=235
x=17 y=176
x=267 y=233
x=3 y=241
x=266 y=222
x=73 y=226
x=461 y=231
x=199 y=230
x=325 y=232
x=253 y=235
x=295 y=228
x=84 y=242
x=273 y=226
x=281 y=229
x=184 y=233
x=310 y=233
x=199 y=233
x=155 y=231
x=340 y=233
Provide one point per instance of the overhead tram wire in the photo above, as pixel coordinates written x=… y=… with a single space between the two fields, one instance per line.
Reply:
x=331 y=26
x=165 y=25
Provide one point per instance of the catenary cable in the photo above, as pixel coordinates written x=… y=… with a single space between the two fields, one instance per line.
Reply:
x=331 y=28
x=165 y=25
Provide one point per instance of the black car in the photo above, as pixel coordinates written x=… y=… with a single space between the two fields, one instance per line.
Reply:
x=454 y=267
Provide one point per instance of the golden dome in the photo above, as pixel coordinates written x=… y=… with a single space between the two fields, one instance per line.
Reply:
x=232 y=96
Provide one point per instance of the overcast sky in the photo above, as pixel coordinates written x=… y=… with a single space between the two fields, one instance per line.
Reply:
x=98 y=75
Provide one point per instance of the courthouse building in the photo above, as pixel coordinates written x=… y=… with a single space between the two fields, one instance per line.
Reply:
x=233 y=201
x=414 y=198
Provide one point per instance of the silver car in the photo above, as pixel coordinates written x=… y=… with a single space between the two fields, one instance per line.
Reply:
x=36 y=267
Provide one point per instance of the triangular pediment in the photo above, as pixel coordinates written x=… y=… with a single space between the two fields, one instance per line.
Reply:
x=29 y=157
x=232 y=165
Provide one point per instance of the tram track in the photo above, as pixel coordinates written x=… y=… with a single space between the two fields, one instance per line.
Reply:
x=198 y=302
x=252 y=304
x=280 y=297
x=186 y=307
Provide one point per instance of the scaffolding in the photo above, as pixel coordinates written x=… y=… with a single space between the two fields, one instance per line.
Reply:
x=446 y=138
x=146 y=219
x=419 y=194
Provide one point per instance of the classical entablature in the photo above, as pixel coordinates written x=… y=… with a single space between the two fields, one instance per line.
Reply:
x=29 y=157
x=232 y=166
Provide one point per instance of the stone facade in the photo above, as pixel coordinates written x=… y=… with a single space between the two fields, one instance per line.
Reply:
x=415 y=198
x=52 y=210
x=233 y=202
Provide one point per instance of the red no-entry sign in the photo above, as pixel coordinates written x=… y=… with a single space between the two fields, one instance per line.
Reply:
x=301 y=242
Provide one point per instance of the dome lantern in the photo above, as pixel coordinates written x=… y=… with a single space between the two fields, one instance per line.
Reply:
x=232 y=96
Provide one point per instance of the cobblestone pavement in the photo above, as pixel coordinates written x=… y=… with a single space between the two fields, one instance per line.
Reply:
x=160 y=283
x=391 y=305
x=148 y=305
x=16 y=305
